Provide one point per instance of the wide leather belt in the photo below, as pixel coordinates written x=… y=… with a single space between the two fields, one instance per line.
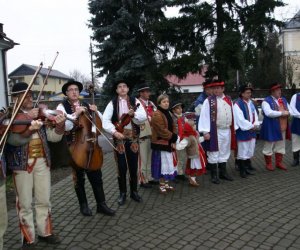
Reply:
x=128 y=133
x=36 y=149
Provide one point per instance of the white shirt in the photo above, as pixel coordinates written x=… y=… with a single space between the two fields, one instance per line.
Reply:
x=140 y=115
x=241 y=121
x=266 y=108
x=224 y=115
x=293 y=110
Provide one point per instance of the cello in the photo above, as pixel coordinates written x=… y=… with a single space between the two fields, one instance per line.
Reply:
x=85 y=150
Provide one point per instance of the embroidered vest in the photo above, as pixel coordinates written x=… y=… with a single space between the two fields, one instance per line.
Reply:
x=70 y=109
x=270 y=128
x=200 y=100
x=145 y=129
x=17 y=156
x=179 y=125
x=245 y=135
x=295 y=127
x=212 y=144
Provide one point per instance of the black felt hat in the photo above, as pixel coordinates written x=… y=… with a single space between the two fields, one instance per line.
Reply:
x=71 y=82
x=143 y=87
x=19 y=88
x=175 y=104
x=115 y=85
x=243 y=88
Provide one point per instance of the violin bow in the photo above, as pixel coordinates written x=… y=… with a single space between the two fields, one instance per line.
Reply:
x=20 y=103
x=92 y=90
x=45 y=81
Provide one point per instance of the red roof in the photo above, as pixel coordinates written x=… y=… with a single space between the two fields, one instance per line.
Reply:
x=192 y=79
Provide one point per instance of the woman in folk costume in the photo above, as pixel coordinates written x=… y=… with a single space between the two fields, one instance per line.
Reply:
x=179 y=120
x=196 y=159
x=163 y=164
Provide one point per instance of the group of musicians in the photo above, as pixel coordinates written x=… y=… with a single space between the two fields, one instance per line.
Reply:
x=221 y=123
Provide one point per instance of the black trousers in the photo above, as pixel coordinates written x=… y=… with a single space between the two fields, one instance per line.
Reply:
x=95 y=179
x=127 y=161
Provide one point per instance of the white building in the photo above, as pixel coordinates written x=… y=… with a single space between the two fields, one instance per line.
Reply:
x=192 y=83
x=290 y=40
x=5 y=44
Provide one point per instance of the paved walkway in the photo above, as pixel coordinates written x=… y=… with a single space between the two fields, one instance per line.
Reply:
x=260 y=212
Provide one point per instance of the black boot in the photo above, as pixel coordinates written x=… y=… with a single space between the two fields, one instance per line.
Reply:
x=104 y=209
x=85 y=210
x=123 y=191
x=135 y=196
x=214 y=173
x=236 y=164
x=249 y=165
x=133 y=191
x=80 y=191
x=223 y=172
x=242 y=168
x=296 y=159
x=122 y=199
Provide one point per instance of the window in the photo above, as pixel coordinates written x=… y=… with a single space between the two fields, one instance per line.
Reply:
x=185 y=91
x=37 y=81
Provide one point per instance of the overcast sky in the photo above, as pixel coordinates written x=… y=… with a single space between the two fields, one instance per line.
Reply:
x=43 y=27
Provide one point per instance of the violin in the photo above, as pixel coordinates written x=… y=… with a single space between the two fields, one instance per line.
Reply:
x=85 y=150
x=124 y=120
x=23 y=120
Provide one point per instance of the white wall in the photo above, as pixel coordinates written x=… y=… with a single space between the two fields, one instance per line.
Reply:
x=192 y=88
x=291 y=40
x=2 y=82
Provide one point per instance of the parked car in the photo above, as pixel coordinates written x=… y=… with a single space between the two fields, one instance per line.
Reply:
x=257 y=102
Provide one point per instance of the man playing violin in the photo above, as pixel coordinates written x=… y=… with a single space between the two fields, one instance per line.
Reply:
x=125 y=132
x=74 y=108
x=28 y=156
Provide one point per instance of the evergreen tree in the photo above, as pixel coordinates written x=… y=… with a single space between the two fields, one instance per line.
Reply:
x=231 y=32
x=268 y=66
x=137 y=43
x=127 y=44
